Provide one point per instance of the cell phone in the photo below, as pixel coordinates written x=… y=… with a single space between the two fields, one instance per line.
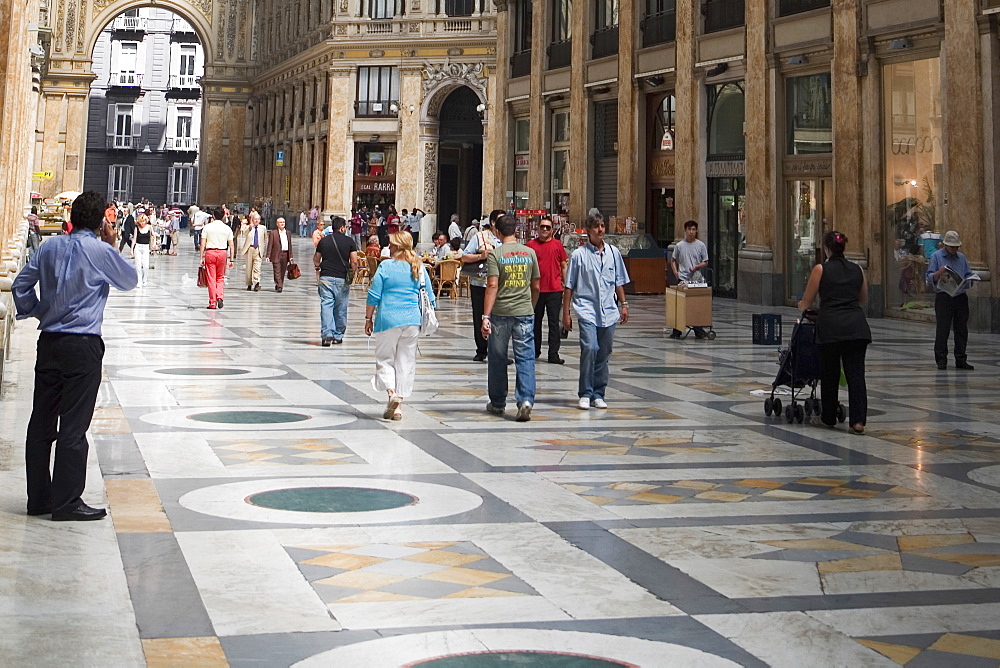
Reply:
x=563 y=333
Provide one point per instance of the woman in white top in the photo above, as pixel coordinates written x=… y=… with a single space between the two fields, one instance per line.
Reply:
x=141 y=241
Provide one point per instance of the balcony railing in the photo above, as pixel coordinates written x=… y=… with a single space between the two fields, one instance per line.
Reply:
x=183 y=81
x=380 y=28
x=604 y=41
x=560 y=54
x=723 y=14
x=129 y=23
x=481 y=24
x=180 y=26
x=375 y=108
x=182 y=143
x=458 y=25
x=520 y=64
x=126 y=79
x=659 y=28
x=123 y=142
x=789 y=7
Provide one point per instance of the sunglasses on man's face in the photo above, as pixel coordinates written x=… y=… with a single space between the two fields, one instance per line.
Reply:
x=545 y=227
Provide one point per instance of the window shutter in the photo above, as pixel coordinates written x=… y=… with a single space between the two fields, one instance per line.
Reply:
x=128 y=182
x=170 y=186
x=112 y=117
x=136 y=120
x=111 y=182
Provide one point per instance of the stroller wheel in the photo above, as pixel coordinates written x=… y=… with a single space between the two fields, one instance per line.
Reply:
x=776 y=407
x=768 y=406
x=799 y=414
x=789 y=414
x=841 y=413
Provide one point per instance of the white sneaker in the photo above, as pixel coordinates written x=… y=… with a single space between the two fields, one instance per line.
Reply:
x=584 y=404
x=599 y=403
x=524 y=412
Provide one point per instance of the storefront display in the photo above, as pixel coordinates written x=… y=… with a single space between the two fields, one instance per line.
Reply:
x=913 y=155
x=375 y=176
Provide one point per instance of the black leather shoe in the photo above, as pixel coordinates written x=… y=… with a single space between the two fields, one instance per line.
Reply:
x=479 y=358
x=35 y=512
x=256 y=287
x=249 y=288
x=965 y=366
x=942 y=367
x=218 y=303
x=327 y=341
x=82 y=513
x=277 y=289
x=556 y=360
x=675 y=334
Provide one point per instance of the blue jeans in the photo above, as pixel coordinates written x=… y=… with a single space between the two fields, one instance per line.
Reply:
x=519 y=329
x=595 y=351
x=197 y=239
x=333 y=294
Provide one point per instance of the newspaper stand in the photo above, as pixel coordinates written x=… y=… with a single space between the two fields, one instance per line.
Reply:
x=689 y=305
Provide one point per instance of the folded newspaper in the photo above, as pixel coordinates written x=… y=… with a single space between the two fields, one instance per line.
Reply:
x=953 y=284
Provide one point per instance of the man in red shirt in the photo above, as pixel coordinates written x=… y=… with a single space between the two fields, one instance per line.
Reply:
x=552 y=263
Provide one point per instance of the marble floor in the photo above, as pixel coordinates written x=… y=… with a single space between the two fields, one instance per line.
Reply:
x=263 y=514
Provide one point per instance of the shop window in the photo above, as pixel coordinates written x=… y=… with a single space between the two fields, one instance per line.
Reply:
x=560 y=127
x=789 y=7
x=913 y=158
x=809 y=115
x=522 y=160
x=559 y=167
x=810 y=208
x=560 y=50
x=522 y=127
x=663 y=124
x=378 y=89
x=726 y=118
x=520 y=62
x=378 y=160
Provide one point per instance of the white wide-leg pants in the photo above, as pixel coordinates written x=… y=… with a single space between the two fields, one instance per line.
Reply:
x=396 y=359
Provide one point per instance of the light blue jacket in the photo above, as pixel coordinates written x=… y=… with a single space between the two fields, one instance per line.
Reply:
x=396 y=296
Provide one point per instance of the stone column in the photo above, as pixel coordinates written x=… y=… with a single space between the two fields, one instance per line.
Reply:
x=496 y=164
x=872 y=181
x=339 y=176
x=963 y=136
x=536 y=107
x=758 y=282
x=409 y=178
x=579 y=115
x=688 y=151
x=847 y=130
x=223 y=127
x=628 y=140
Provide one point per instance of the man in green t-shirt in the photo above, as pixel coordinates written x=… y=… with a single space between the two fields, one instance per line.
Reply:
x=509 y=315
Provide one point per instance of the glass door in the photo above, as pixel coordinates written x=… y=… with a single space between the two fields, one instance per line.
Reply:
x=662 y=210
x=725 y=232
x=810 y=216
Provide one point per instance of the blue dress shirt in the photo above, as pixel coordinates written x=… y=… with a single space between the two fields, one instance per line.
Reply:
x=593 y=276
x=941 y=258
x=396 y=295
x=73 y=272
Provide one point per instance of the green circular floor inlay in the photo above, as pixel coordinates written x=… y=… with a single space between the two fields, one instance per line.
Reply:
x=532 y=659
x=249 y=417
x=202 y=371
x=173 y=342
x=331 y=499
x=666 y=370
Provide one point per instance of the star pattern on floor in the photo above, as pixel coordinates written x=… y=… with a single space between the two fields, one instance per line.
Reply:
x=309 y=451
x=643 y=445
x=385 y=572
x=735 y=491
x=938 y=649
x=211 y=392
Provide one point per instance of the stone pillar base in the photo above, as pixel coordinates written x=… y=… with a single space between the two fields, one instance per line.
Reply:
x=757 y=280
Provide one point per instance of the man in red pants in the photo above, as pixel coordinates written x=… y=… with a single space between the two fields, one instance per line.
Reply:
x=217 y=253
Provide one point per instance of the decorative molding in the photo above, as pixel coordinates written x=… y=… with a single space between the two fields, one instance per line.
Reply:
x=231 y=30
x=241 y=52
x=448 y=76
x=430 y=176
x=70 y=24
x=79 y=35
x=376 y=53
x=456 y=51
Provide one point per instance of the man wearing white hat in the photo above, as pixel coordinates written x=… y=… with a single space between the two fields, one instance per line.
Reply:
x=950 y=310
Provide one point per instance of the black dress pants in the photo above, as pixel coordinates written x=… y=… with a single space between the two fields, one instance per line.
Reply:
x=549 y=303
x=478 y=294
x=850 y=354
x=67 y=378
x=951 y=312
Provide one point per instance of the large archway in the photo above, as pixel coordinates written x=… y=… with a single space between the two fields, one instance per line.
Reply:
x=460 y=156
x=144 y=129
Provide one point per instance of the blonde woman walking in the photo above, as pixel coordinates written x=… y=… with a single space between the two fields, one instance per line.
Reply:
x=393 y=315
x=141 y=242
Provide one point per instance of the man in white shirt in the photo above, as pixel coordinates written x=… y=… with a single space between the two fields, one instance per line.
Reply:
x=279 y=253
x=441 y=246
x=198 y=223
x=217 y=253
x=690 y=256
x=454 y=230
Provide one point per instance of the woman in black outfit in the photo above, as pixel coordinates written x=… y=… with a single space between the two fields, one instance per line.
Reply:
x=841 y=329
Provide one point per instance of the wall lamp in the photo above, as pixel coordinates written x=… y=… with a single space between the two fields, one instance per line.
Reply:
x=481 y=107
x=898 y=44
x=373 y=139
x=395 y=108
x=654 y=81
x=717 y=70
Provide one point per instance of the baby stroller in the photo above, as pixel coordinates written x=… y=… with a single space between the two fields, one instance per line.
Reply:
x=799 y=370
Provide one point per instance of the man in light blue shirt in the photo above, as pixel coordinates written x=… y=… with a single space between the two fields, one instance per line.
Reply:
x=595 y=288
x=74 y=273
x=948 y=310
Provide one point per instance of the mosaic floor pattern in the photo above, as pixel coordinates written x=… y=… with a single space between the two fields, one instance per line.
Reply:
x=263 y=514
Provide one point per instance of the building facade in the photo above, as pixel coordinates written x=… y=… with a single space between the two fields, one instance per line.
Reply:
x=769 y=122
x=144 y=120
